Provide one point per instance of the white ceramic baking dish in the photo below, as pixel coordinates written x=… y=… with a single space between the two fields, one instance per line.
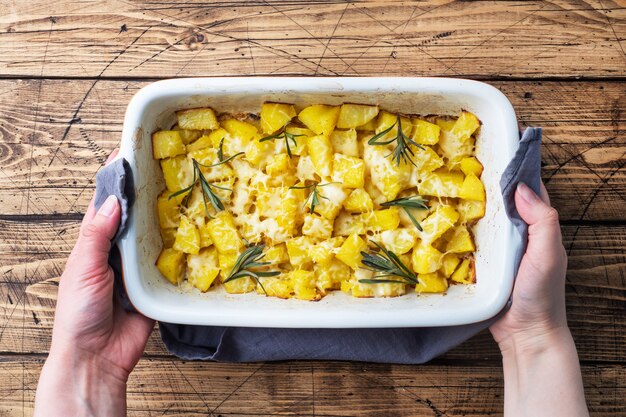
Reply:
x=153 y=107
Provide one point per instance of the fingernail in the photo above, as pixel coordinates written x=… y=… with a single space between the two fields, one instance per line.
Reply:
x=108 y=207
x=112 y=156
x=526 y=193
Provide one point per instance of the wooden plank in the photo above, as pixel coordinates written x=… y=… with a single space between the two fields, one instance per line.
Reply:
x=55 y=135
x=451 y=38
x=176 y=388
x=596 y=291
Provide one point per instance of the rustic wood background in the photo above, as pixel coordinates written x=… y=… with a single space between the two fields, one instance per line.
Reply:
x=69 y=68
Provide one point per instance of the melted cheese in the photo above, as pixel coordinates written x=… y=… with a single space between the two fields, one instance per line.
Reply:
x=262 y=207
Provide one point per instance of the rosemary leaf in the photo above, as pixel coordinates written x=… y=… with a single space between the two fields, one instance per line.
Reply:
x=313 y=199
x=248 y=259
x=385 y=263
x=220 y=151
x=222 y=161
x=179 y=192
x=402 y=152
x=415 y=202
x=208 y=192
x=287 y=137
x=381 y=281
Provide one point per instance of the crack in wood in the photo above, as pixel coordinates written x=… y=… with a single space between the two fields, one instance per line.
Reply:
x=36 y=240
x=82 y=101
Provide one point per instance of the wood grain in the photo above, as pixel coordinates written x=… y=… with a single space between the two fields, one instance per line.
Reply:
x=172 y=387
x=68 y=70
x=450 y=38
x=52 y=145
x=596 y=290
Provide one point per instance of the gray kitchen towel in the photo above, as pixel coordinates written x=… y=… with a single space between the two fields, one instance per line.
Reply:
x=117 y=179
x=403 y=345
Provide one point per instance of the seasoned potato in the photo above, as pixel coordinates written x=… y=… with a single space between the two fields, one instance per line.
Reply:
x=385 y=174
x=321 y=152
x=168 y=210
x=168 y=236
x=345 y=142
x=359 y=201
x=320 y=118
x=242 y=131
x=426 y=161
x=224 y=234
x=399 y=241
x=203 y=268
x=350 y=251
x=460 y=241
x=303 y=194
x=386 y=120
x=470 y=210
x=431 y=283
x=472 y=188
x=330 y=276
x=166 y=144
x=471 y=165
x=348 y=171
x=317 y=227
x=332 y=198
x=171 y=264
x=198 y=119
x=355 y=115
x=347 y=224
x=456 y=142
x=276 y=287
x=442 y=183
x=437 y=223
x=274 y=116
x=386 y=219
x=240 y=285
x=449 y=263
x=188 y=135
x=425 y=133
x=177 y=172
x=426 y=259
x=299 y=250
x=304 y=285
x=187 y=237
x=465 y=273
x=324 y=252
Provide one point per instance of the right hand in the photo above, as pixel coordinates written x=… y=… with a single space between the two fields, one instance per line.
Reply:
x=538 y=304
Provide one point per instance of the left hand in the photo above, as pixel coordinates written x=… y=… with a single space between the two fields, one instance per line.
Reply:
x=94 y=340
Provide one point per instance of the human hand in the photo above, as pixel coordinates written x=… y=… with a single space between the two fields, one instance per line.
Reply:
x=95 y=342
x=538 y=302
x=541 y=371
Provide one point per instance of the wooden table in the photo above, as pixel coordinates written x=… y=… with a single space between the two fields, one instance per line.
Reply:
x=68 y=71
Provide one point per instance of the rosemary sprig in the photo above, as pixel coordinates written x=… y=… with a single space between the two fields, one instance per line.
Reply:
x=386 y=264
x=407 y=203
x=313 y=199
x=208 y=189
x=402 y=151
x=248 y=259
x=283 y=134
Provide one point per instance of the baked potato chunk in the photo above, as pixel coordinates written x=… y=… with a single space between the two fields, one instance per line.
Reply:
x=298 y=202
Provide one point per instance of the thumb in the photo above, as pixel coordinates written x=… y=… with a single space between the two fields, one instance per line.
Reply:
x=544 y=231
x=94 y=242
x=533 y=210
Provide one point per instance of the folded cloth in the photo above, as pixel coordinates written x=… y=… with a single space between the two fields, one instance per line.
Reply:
x=405 y=345
x=117 y=179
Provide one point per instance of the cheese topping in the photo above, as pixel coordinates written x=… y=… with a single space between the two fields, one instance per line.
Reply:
x=319 y=205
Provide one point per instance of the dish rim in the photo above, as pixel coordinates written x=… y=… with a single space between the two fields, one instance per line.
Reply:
x=140 y=299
